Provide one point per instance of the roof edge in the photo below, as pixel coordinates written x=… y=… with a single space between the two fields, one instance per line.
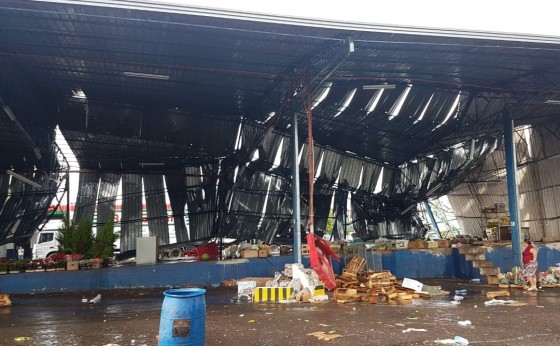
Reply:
x=146 y=5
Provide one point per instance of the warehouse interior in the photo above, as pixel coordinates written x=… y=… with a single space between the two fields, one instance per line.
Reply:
x=200 y=105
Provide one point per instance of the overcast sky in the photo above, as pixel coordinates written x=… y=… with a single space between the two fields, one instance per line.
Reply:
x=513 y=16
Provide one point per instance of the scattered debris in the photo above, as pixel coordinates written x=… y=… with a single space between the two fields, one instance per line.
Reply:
x=23 y=339
x=465 y=323
x=5 y=300
x=325 y=336
x=495 y=294
x=414 y=330
x=504 y=302
x=96 y=299
x=445 y=342
x=459 y=340
x=412 y=284
x=434 y=291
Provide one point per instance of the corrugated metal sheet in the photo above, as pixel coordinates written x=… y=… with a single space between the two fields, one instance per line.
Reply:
x=201 y=200
x=107 y=196
x=155 y=207
x=177 y=191
x=87 y=196
x=131 y=218
x=538 y=184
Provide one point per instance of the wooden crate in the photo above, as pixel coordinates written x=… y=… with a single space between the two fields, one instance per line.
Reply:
x=249 y=253
x=432 y=245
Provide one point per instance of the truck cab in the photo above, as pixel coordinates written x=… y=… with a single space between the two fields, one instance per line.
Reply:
x=45 y=243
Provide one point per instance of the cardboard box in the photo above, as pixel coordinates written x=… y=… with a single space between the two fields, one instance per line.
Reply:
x=249 y=253
x=245 y=289
x=401 y=244
x=432 y=245
x=96 y=264
x=418 y=244
x=444 y=243
x=412 y=284
x=263 y=253
x=72 y=265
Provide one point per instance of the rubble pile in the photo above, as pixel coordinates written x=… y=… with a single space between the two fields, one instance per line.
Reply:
x=358 y=285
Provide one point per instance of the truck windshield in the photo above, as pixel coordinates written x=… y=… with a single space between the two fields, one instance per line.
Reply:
x=45 y=237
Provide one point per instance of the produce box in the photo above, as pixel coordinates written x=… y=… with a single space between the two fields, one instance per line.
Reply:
x=263 y=252
x=249 y=253
x=444 y=242
x=432 y=245
x=96 y=264
x=72 y=265
x=401 y=244
x=418 y=244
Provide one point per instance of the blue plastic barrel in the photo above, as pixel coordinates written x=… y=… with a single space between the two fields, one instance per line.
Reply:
x=183 y=317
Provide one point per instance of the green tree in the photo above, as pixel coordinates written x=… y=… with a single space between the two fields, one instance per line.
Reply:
x=104 y=240
x=75 y=238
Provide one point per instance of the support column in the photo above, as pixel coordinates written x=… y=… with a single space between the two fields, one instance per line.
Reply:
x=511 y=171
x=295 y=191
x=432 y=218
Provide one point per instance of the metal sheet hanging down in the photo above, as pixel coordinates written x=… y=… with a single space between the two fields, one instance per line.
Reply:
x=87 y=196
x=131 y=218
x=154 y=193
x=201 y=200
x=247 y=203
x=108 y=189
x=177 y=190
x=278 y=210
x=4 y=184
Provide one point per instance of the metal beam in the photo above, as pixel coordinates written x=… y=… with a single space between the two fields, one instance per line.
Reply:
x=295 y=191
x=432 y=218
x=511 y=171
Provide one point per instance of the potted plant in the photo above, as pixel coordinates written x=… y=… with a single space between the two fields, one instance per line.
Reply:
x=31 y=266
x=21 y=266
x=49 y=264
x=58 y=261
x=75 y=239
x=3 y=267
x=103 y=245
x=73 y=261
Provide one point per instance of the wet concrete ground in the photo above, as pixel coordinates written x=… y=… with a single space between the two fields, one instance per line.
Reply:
x=131 y=317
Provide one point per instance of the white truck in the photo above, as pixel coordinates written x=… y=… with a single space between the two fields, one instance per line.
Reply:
x=44 y=243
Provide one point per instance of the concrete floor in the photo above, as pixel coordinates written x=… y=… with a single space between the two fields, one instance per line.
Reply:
x=131 y=317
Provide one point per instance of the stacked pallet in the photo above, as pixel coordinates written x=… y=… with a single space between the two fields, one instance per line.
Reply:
x=359 y=285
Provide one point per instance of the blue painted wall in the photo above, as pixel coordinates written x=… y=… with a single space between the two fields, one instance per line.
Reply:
x=415 y=264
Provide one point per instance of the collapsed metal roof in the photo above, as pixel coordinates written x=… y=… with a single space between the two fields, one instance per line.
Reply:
x=142 y=88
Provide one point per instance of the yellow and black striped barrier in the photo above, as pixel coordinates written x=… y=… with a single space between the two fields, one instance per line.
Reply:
x=272 y=294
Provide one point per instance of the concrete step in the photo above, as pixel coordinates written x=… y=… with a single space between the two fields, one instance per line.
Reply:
x=489 y=271
x=465 y=249
x=475 y=256
x=478 y=263
x=492 y=279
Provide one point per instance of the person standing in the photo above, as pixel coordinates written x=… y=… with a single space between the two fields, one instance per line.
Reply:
x=530 y=264
x=20 y=252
